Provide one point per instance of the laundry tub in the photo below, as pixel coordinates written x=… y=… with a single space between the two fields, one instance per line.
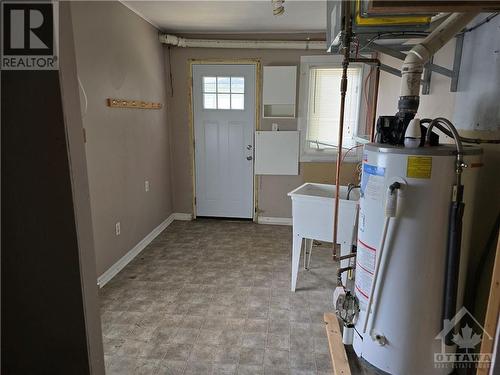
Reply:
x=313 y=215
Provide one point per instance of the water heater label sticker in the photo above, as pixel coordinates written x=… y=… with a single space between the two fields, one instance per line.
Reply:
x=372 y=182
x=366 y=259
x=419 y=167
x=373 y=170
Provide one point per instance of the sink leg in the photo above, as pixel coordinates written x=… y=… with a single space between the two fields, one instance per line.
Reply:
x=308 y=253
x=296 y=250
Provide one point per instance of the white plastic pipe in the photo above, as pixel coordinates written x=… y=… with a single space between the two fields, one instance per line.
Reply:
x=390 y=210
x=376 y=272
x=173 y=40
x=413 y=65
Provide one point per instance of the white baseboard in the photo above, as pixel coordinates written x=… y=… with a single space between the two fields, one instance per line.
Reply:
x=183 y=216
x=274 y=220
x=127 y=258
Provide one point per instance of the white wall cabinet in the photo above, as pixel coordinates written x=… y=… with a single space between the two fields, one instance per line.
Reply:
x=279 y=91
x=277 y=152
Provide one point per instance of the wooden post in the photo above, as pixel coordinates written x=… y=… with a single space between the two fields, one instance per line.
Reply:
x=492 y=312
x=340 y=361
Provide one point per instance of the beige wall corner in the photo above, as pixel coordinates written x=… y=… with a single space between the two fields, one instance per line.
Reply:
x=119 y=56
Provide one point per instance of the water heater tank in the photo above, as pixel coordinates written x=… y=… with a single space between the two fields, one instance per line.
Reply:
x=410 y=298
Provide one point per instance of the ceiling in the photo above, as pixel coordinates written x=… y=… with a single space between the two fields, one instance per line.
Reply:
x=236 y=16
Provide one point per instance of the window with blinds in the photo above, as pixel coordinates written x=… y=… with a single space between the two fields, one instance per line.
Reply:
x=324 y=107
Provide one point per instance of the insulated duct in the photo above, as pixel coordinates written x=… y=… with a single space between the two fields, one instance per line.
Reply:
x=173 y=40
x=419 y=55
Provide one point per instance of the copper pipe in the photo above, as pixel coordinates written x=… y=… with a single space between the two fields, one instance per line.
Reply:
x=348 y=256
x=343 y=91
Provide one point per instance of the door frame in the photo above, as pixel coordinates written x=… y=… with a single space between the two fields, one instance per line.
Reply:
x=258 y=73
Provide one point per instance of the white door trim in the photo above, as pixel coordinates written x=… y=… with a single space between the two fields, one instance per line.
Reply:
x=258 y=89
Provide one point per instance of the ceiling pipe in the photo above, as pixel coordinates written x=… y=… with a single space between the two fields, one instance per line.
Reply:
x=173 y=40
x=413 y=65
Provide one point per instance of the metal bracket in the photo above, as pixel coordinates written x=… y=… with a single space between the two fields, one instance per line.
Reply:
x=457 y=61
x=395 y=51
x=426 y=84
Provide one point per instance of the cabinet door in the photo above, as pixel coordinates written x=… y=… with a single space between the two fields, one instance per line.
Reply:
x=279 y=91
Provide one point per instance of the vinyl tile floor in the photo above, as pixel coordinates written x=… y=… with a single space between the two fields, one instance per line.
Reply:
x=213 y=297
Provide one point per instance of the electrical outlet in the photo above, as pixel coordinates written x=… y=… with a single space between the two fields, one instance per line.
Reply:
x=117 y=228
x=146 y=185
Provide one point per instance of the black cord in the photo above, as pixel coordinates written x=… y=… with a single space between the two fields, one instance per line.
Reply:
x=463 y=139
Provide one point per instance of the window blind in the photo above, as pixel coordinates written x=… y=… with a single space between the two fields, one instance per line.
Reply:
x=324 y=105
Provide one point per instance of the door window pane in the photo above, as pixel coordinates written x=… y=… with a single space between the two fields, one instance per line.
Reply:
x=209 y=101
x=223 y=93
x=238 y=84
x=223 y=101
x=223 y=84
x=237 y=101
x=209 y=84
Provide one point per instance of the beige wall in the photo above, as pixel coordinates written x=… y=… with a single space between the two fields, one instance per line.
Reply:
x=272 y=190
x=118 y=55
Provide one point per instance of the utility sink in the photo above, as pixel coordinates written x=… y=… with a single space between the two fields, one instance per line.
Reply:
x=312 y=217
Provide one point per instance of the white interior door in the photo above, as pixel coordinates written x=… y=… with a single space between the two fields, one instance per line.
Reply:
x=224 y=119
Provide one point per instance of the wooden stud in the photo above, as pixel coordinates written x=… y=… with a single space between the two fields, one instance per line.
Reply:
x=340 y=361
x=138 y=104
x=492 y=312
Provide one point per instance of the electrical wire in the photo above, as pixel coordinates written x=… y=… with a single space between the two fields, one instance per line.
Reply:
x=401 y=33
x=348 y=150
x=478 y=25
x=462 y=139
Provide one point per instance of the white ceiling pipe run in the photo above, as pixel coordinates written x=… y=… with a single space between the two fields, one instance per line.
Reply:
x=244 y=44
x=413 y=65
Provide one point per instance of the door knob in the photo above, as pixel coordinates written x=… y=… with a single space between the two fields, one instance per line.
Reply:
x=249 y=147
x=249 y=158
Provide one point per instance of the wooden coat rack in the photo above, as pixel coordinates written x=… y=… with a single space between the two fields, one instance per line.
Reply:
x=138 y=104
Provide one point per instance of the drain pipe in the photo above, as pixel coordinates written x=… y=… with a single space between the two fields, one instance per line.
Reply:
x=176 y=41
x=413 y=65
